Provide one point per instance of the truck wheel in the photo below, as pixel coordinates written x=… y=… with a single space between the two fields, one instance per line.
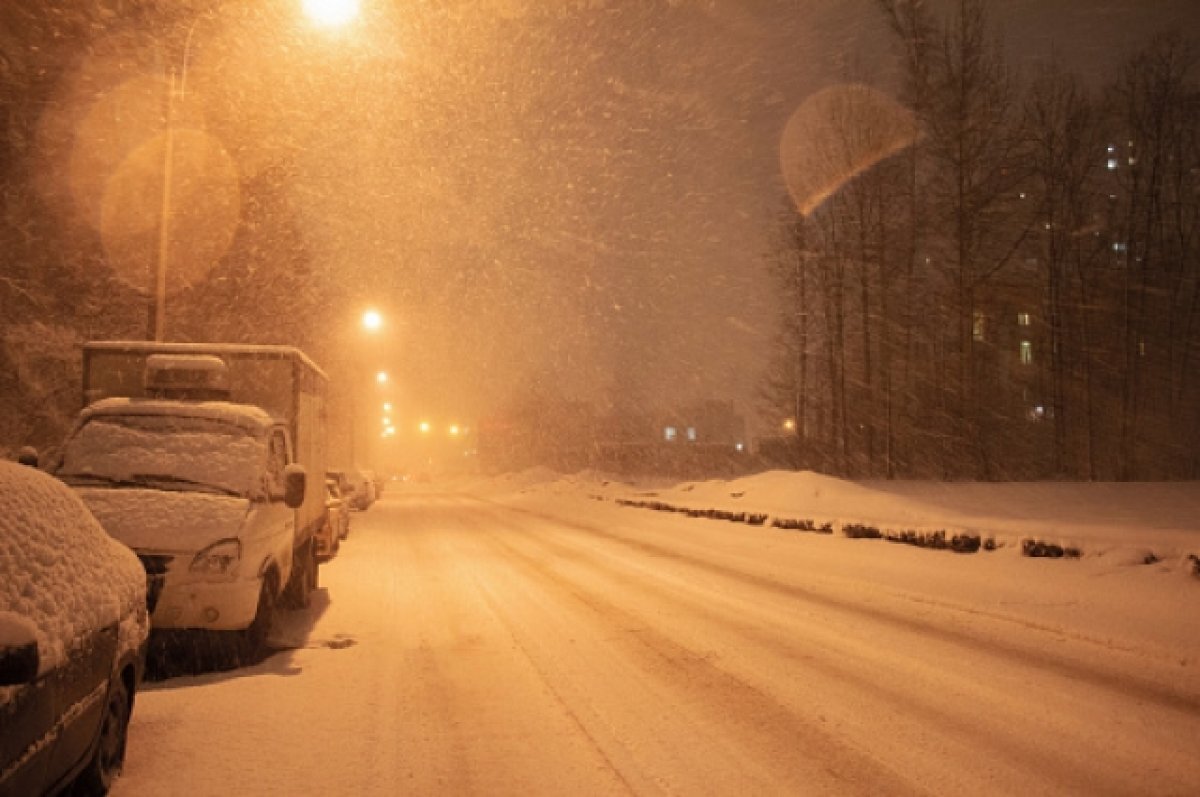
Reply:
x=297 y=595
x=106 y=760
x=254 y=638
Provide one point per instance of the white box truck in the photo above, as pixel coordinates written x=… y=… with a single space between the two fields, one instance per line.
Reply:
x=208 y=460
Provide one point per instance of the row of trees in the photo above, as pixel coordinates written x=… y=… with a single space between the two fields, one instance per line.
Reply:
x=1015 y=293
x=58 y=286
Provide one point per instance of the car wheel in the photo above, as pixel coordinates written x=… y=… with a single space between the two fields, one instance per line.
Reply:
x=254 y=638
x=105 y=764
x=297 y=594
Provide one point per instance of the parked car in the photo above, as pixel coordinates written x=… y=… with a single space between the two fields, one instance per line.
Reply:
x=337 y=523
x=73 y=629
x=364 y=490
x=344 y=484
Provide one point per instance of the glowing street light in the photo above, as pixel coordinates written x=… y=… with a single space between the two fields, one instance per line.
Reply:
x=331 y=13
x=387 y=406
x=381 y=377
x=454 y=430
x=372 y=320
x=790 y=425
x=424 y=427
x=324 y=13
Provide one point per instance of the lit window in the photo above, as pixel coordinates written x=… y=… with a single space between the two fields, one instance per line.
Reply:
x=1112 y=164
x=1120 y=246
x=691 y=433
x=1023 y=319
x=1112 y=148
x=1026 y=352
x=670 y=433
x=978 y=325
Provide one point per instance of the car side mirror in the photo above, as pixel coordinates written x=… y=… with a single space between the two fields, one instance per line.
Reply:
x=18 y=651
x=294 y=483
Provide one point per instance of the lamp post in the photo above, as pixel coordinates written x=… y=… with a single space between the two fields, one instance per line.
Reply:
x=372 y=323
x=156 y=325
x=323 y=13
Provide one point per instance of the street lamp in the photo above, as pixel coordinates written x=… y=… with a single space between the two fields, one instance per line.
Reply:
x=371 y=323
x=331 y=13
x=325 y=13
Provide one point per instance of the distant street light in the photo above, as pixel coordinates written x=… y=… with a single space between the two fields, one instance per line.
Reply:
x=371 y=322
x=424 y=427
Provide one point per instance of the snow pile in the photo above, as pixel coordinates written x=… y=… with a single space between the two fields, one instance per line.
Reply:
x=1136 y=523
x=58 y=569
x=124 y=448
x=526 y=479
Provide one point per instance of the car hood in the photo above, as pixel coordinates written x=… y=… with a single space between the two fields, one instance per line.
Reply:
x=161 y=520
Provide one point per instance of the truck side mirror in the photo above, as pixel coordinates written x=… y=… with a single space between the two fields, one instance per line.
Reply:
x=294 y=484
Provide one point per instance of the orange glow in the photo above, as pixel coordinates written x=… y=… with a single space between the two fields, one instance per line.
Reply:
x=331 y=13
x=372 y=320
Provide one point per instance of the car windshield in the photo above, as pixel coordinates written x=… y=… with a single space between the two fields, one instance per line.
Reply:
x=165 y=453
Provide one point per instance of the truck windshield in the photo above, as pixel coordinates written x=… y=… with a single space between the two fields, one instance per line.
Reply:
x=166 y=453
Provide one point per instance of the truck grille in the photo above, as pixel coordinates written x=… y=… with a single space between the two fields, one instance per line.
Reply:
x=156 y=566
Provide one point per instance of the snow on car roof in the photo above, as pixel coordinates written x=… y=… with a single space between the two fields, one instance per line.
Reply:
x=59 y=570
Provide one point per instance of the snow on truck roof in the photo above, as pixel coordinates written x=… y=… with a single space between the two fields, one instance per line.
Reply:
x=245 y=415
x=217 y=349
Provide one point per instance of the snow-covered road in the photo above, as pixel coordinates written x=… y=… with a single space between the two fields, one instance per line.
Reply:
x=463 y=644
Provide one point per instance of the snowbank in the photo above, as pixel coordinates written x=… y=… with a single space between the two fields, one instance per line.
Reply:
x=1127 y=523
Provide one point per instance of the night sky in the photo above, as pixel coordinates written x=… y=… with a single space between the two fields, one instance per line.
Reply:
x=573 y=197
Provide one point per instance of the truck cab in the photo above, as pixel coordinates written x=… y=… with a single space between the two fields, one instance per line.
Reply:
x=208 y=491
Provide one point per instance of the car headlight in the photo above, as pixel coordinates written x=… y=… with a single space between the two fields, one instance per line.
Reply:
x=219 y=559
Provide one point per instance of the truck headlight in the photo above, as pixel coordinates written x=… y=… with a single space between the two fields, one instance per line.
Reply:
x=219 y=559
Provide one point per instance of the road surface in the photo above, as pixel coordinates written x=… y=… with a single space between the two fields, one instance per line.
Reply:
x=462 y=645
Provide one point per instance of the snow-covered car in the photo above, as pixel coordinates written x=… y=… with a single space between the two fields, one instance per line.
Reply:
x=364 y=489
x=337 y=504
x=336 y=526
x=73 y=630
